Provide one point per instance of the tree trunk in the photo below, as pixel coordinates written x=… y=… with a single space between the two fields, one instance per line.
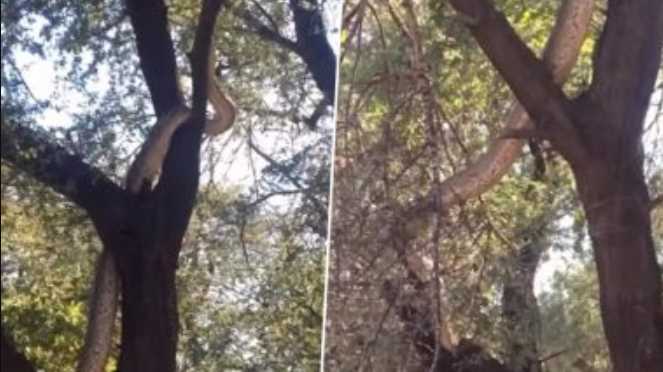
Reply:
x=616 y=202
x=148 y=250
x=149 y=317
x=612 y=187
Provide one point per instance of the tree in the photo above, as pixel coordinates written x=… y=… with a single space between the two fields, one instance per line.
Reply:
x=145 y=233
x=607 y=164
x=401 y=124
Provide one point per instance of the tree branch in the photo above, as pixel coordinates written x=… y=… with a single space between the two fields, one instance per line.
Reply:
x=267 y=33
x=201 y=56
x=180 y=169
x=560 y=56
x=178 y=185
x=313 y=47
x=319 y=206
x=67 y=174
x=529 y=79
x=149 y=19
x=628 y=59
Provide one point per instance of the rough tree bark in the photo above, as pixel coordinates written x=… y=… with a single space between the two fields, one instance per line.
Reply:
x=599 y=134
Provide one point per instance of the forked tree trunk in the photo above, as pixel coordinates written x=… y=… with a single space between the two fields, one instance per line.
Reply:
x=600 y=135
x=148 y=250
x=612 y=187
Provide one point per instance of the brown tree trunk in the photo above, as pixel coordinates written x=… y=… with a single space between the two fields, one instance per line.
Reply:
x=148 y=249
x=616 y=202
x=612 y=187
x=149 y=314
